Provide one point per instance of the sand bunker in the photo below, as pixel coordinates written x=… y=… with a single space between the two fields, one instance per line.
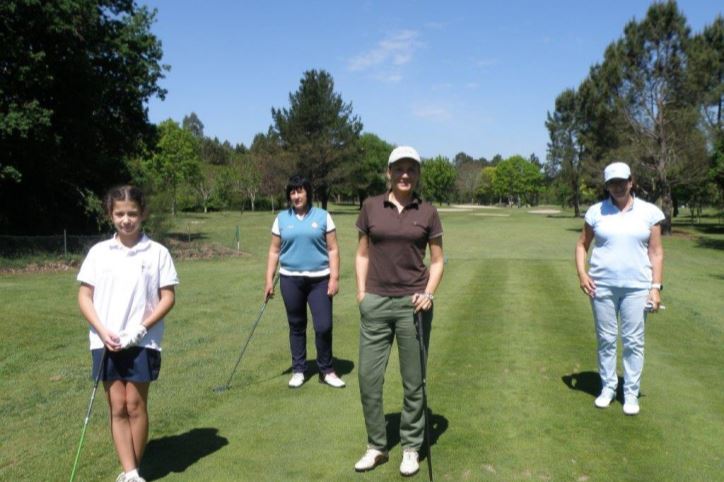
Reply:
x=545 y=211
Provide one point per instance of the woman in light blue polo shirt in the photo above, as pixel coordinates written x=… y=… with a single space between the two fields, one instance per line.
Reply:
x=623 y=280
x=304 y=243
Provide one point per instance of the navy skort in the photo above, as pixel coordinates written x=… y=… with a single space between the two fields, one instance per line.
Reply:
x=135 y=364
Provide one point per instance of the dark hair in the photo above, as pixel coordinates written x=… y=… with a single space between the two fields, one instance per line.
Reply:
x=295 y=182
x=124 y=193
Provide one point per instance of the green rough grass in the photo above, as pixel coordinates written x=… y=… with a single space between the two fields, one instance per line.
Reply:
x=511 y=376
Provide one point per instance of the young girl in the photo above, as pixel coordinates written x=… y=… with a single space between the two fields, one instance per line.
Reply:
x=127 y=287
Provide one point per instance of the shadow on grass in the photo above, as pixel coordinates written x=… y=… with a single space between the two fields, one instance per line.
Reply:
x=341 y=366
x=590 y=383
x=564 y=216
x=587 y=382
x=176 y=453
x=706 y=228
x=710 y=243
x=438 y=426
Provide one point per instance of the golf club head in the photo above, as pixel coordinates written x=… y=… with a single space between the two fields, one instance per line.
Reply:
x=221 y=388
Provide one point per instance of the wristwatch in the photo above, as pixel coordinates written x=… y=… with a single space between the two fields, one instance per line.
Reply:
x=657 y=286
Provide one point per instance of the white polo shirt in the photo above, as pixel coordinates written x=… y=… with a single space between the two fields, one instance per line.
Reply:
x=126 y=284
x=620 y=256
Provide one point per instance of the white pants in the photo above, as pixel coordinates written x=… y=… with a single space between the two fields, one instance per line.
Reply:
x=628 y=304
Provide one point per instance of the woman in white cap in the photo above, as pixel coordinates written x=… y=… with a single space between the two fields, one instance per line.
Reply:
x=393 y=284
x=624 y=279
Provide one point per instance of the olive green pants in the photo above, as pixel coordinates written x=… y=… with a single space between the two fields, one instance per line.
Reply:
x=384 y=318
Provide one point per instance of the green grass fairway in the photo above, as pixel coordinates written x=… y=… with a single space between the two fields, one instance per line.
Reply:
x=511 y=377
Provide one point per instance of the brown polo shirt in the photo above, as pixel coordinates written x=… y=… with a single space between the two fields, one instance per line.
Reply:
x=397 y=244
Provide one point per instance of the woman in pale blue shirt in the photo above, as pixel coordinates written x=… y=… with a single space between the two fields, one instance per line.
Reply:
x=623 y=280
x=304 y=244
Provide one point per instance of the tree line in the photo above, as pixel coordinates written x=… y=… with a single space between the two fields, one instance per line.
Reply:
x=77 y=75
x=655 y=101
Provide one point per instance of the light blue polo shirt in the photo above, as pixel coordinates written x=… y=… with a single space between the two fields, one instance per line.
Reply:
x=303 y=242
x=620 y=256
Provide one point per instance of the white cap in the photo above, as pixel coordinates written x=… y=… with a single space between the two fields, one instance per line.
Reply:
x=403 y=152
x=616 y=170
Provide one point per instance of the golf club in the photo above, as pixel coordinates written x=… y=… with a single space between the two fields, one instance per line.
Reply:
x=88 y=413
x=223 y=388
x=423 y=371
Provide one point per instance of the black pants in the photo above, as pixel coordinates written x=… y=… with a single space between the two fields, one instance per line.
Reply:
x=298 y=291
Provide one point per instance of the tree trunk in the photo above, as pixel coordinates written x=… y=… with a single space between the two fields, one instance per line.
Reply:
x=323 y=192
x=667 y=207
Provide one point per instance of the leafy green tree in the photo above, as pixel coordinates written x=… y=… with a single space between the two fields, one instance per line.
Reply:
x=467 y=177
x=176 y=160
x=517 y=180
x=193 y=124
x=274 y=166
x=462 y=158
x=9 y=173
x=438 y=179
x=706 y=74
x=248 y=177
x=76 y=77
x=368 y=175
x=565 y=148
x=319 y=130
x=212 y=186
x=651 y=87
x=216 y=153
x=486 y=192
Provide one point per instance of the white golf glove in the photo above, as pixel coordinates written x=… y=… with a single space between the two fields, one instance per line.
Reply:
x=132 y=337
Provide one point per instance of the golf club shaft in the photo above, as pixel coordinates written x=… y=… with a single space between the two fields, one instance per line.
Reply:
x=423 y=372
x=251 y=333
x=88 y=412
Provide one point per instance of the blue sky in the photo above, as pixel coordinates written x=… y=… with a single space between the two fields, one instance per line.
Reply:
x=442 y=76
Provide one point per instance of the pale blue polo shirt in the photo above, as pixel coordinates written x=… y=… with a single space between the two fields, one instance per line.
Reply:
x=620 y=255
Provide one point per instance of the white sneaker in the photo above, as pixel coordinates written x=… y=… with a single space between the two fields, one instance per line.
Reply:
x=410 y=463
x=605 y=398
x=332 y=380
x=371 y=459
x=122 y=477
x=297 y=380
x=631 y=405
